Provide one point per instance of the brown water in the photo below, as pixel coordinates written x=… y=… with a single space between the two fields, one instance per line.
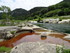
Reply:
x=52 y=38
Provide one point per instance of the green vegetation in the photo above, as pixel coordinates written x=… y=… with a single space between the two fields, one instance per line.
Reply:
x=60 y=17
x=38 y=13
x=67 y=0
x=19 y=14
x=60 y=9
x=5 y=49
x=62 y=49
x=12 y=32
x=67 y=51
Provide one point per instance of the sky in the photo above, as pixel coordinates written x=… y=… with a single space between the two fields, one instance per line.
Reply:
x=28 y=4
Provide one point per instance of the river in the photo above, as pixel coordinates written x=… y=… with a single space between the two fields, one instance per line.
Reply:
x=64 y=28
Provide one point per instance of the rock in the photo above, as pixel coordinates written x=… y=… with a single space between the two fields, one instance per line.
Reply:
x=35 y=47
x=1 y=40
x=66 y=21
x=67 y=37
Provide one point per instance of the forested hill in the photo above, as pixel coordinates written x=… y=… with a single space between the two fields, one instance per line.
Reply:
x=60 y=9
x=67 y=0
x=19 y=14
x=36 y=9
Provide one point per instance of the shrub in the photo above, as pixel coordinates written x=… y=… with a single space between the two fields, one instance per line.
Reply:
x=66 y=51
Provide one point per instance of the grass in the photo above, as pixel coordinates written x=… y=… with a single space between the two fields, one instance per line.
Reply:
x=66 y=51
x=5 y=49
x=60 y=17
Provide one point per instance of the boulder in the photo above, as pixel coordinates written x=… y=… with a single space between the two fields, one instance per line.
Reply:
x=35 y=47
x=67 y=37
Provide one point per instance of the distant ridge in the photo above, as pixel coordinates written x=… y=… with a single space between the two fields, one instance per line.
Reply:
x=66 y=0
x=60 y=9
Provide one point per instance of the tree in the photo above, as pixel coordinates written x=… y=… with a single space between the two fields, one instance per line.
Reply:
x=5 y=12
x=5 y=9
x=66 y=11
x=5 y=15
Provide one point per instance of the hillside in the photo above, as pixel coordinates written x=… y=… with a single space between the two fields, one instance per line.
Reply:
x=60 y=9
x=19 y=14
x=36 y=9
x=67 y=0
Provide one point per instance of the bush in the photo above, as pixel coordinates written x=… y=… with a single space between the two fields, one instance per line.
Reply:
x=12 y=32
x=52 y=13
x=66 y=51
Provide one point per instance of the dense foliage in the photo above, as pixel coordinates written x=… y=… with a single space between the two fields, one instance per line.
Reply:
x=66 y=51
x=59 y=9
x=19 y=14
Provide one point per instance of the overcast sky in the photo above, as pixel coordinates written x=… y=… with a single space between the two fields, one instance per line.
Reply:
x=27 y=4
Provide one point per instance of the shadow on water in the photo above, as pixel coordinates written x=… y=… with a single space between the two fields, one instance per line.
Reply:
x=64 y=28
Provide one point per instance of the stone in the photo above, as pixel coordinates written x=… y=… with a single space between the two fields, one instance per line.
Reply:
x=67 y=37
x=35 y=47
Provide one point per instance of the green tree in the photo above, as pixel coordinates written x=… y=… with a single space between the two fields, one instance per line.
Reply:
x=5 y=9
x=5 y=12
x=66 y=11
x=39 y=19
